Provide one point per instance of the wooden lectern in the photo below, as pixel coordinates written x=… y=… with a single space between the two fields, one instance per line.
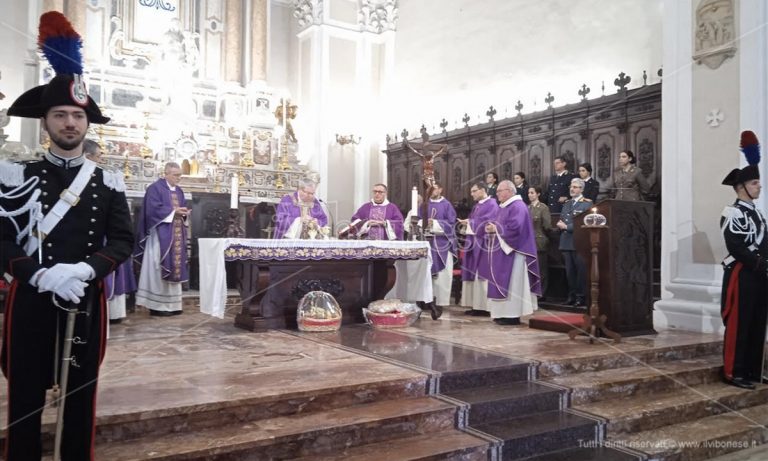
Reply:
x=625 y=262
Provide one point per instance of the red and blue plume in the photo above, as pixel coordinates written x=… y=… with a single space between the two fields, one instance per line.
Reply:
x=750 y=146
x=60 y=43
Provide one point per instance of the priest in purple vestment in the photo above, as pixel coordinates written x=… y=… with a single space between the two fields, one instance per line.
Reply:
x=161 y=247
x=442 y=219
x=474 y=289
x=378 y=219
x=511 y=266
x=298 y=209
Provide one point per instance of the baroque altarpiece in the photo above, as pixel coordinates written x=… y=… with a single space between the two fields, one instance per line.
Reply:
x=184 y=81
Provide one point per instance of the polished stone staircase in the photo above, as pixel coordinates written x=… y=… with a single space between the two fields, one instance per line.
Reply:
x=664 y=403
x=346 y=421
x=667 y=403
x=499 y=402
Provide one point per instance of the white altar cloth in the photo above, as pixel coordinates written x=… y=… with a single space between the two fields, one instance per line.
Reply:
x=413 y=282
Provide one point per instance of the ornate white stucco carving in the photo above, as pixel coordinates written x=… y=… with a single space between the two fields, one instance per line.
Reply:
x=308 y=12
x=377 y=15
x=715 y=32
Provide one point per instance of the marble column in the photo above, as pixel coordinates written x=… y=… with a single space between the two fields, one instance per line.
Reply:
x=233 y=41
x=345 y=57
x=259 y=30
x=54 y=5
x=74 y=10
x=705 y=105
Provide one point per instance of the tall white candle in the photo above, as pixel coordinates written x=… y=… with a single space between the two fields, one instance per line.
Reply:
x=414 y=200
x=233 y=198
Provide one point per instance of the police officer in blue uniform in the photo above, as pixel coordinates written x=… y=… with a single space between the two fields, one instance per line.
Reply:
x=558 y=190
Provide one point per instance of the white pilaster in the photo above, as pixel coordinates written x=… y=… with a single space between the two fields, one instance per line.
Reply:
x=753 y=82
x=690 y=291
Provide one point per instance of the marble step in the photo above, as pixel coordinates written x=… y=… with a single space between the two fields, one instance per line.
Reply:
x=702 y=438
x=640 y=380
x=645 y=412
x=528 y=435
x=451 y=445
x=451 y=381
x=598 y=453
x=166 y=421
x=290 y=436
x=494 y=403
x=610 y=361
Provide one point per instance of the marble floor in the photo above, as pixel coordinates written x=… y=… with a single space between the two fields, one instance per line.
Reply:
x=156 y=363
x=175 y=365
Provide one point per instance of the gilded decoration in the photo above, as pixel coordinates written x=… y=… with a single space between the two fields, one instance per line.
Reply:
x=715 y=32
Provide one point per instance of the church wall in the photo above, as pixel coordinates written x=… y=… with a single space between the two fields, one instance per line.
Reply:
x=705 y=106
x=715 y=152
x=461 y=56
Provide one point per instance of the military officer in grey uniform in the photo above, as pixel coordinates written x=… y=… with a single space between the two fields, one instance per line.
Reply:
x=575 y=269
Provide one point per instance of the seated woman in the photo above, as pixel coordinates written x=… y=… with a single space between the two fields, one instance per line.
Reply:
x=628 y=181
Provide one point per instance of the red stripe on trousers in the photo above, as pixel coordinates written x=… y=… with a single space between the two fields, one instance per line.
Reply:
x=731 y=316
x=7 y=338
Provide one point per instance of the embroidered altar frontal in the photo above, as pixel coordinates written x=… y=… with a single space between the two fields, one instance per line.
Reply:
x=305 y=250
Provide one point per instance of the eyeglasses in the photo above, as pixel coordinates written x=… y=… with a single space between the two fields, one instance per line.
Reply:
x=502 y=190
x=379 y=192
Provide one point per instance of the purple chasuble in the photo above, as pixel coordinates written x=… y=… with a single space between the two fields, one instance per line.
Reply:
x=121 y=281
x=513 y=224
x=159 y=202
x=482 y=213
x=442 y=211
x=288 y=210
x=387 y=211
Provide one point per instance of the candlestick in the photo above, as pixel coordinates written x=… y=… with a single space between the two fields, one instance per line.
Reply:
x=414 y=200
x=233 y=198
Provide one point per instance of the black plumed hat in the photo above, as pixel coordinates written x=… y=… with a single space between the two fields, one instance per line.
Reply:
x=61 y=45
x=750 y=146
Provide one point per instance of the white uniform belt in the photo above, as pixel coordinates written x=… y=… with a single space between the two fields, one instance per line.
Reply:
x=67 y=199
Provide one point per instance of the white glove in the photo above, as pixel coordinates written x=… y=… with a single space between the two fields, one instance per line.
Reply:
x=71 y=289
x=54 y=277
x=83 y=271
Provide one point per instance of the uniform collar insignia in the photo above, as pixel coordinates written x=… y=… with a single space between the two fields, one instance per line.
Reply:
x=751 y=206
x=65 y=163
